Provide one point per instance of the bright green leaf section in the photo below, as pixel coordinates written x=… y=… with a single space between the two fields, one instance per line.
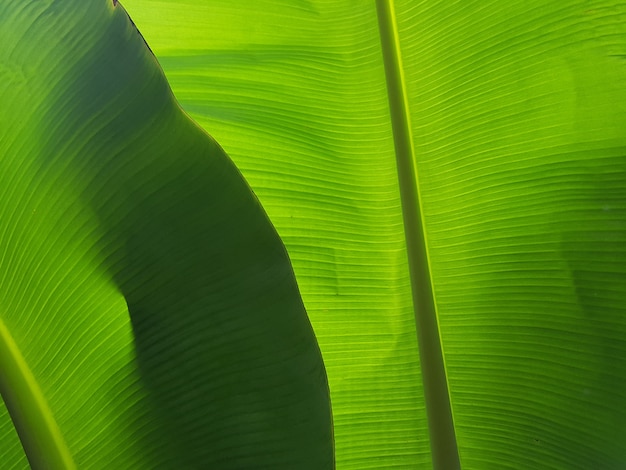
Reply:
x=518 y=119
x=519 y=124
x=148 y=299
x=296 y=93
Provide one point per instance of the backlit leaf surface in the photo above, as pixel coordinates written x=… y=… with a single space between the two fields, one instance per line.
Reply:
x=518 y=115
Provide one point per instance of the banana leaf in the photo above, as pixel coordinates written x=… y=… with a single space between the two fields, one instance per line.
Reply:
x=516 y=114
x=149 y=315
x=453 y=171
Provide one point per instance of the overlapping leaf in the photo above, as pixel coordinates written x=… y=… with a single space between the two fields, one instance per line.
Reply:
x=140 y=280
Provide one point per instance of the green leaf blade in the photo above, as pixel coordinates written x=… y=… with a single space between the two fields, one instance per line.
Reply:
x=519 y=149
x=310 y=86
x=518 y=122
x=513 y=108
x=149 y=293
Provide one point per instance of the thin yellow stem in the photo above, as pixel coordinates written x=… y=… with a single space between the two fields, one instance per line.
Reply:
x=41 y=438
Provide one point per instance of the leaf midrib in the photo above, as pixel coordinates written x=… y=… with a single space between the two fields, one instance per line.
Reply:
x=436 y=394
x=39 y=433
